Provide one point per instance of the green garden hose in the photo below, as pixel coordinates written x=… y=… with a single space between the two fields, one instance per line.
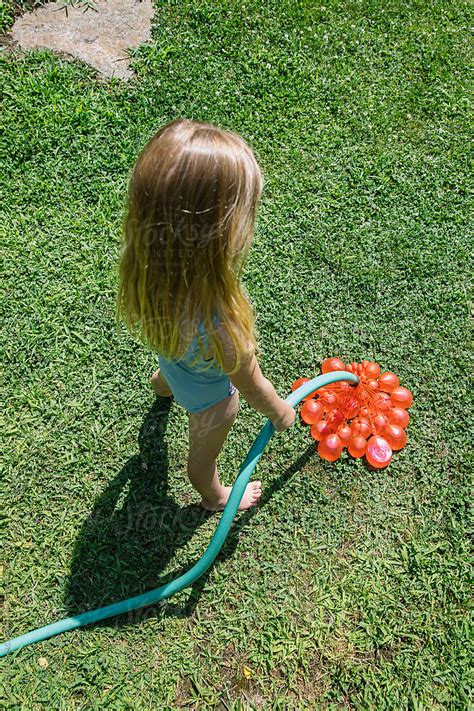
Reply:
x=210 y=554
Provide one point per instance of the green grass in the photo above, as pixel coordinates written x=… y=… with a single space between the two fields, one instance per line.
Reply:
x=348 y=588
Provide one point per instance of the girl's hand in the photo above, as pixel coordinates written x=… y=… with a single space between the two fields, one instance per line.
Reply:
x=285 y=419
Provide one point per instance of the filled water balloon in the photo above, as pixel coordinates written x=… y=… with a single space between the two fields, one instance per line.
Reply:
x=299 y=382
x=379 y=423
x=319 y=430
x=398 y=416
x=330 y=448
x=332 y=364
x=311 y=411
x=344 y=433
x=357 y=446
x=372 y=370
x=378 y=452
x=362 y=427
x=329 y=401
x=383 y=401
x=401 y=397
x=388 y=381
x=395 y=436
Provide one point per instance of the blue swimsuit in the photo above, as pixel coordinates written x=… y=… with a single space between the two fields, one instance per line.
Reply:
x=192 y=387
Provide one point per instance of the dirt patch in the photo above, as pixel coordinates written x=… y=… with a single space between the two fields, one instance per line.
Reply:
x=99 y=38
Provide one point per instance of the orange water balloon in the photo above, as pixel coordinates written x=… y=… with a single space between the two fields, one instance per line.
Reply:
x=372 y=370
x=383 y=402
x=378 y=452
x=379 y=423
x=401 y=397
x=332 y=364
x=311 y=411
x=398 y=416
x=335 y=418
x=361 y=426
x=329 y=401
x=319 y=430
x=299 y=382
x=395 y=436
x=388 y=381
x=344 y=433
x=357 y=446
x=330 y=448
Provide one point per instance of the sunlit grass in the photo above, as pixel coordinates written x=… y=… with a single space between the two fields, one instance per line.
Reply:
x=348 y=587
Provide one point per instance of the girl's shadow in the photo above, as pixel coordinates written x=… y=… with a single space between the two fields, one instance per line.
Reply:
x=136 y=527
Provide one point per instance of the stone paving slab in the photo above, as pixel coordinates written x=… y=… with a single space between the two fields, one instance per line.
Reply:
x=98 y=38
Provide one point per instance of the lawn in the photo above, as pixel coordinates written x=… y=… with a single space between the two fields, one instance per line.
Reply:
x=347 y=588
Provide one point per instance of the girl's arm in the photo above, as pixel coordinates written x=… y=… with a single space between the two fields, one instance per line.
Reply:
x=255 y=388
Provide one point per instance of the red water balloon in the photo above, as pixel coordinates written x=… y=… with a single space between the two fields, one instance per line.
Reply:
x=388 y=381
x=383 y=402
x=344 y=433
x=329 y=401
x=401 y=397
x=336 y=418
x=332 y=364
x=299 y=382
x=361 y=426
x=372 y=370
x=395 y=436
x=378 y=452
x=379 y=423
x=330 y=448
x=372 y=385
x=398 y=416
x=311 y=411
x=319 y=430
x=357 y=446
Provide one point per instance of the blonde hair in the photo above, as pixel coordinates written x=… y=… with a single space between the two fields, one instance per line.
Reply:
x=191 y=209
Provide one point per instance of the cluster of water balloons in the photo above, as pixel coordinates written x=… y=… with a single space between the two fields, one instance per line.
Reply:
x=369 y=418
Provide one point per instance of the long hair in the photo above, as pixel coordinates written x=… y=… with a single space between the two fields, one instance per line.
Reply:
x=191 y=209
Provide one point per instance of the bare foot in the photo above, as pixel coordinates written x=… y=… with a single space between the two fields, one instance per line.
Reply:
x=159 y=385
x=251 y=497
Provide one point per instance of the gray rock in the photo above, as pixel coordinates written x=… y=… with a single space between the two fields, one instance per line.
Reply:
x=98 y=38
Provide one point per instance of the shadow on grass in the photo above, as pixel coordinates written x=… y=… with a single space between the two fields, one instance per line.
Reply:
x=136 y=528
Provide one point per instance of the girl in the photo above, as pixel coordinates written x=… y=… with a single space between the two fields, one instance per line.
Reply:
x=192 y=202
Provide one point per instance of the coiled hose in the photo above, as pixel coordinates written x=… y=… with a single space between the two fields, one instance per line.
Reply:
x=210 y=554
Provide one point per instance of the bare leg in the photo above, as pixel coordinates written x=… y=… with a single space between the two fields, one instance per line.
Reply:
x=207 y=433
x=159 y=385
